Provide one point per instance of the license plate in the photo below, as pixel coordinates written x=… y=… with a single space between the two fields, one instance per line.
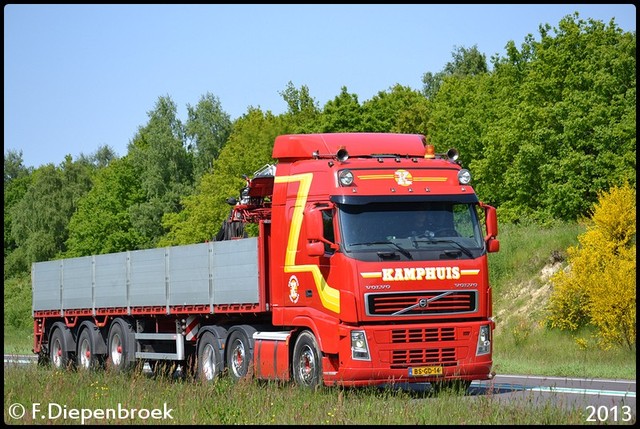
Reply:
x=425 y=370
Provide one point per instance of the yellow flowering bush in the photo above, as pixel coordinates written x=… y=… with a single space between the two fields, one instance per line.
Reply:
x=599 y=286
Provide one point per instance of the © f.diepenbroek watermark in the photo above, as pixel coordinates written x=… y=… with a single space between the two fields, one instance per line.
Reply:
x=52 y=413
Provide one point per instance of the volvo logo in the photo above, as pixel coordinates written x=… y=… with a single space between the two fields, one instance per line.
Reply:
x=423 y=302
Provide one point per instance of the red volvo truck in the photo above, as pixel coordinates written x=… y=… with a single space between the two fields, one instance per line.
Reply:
x=369 y=267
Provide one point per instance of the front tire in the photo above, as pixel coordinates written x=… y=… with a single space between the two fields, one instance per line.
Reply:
x=307 y=361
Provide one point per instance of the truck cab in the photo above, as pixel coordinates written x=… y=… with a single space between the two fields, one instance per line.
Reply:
x=379 y=249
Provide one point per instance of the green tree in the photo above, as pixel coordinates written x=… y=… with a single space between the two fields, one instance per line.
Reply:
x=553 y=124
x=342 y=114
x=40 y=219
x=159 y=156
x=462 y=109
x=207 y=130
x=14 y=167
x=302 y=110
x=399 y=109
x=464 y=62
x=102 y=157
x=588 y=82
x=494 y=136
x=17 y=179
x=461 y=115
x=103 y=221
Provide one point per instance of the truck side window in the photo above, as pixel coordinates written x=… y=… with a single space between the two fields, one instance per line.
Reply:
x=327 y=230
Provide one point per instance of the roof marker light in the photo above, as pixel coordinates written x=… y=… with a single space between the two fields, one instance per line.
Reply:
x=430 y=152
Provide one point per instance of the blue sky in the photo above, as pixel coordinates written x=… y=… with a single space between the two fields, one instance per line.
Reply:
x=77 y=77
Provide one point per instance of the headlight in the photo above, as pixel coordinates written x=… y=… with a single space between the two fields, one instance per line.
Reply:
x=464 y=176
x=345 y=177
x=484 y=340
x=359 y=346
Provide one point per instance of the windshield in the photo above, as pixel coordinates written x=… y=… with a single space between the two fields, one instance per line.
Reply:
x=418 y=230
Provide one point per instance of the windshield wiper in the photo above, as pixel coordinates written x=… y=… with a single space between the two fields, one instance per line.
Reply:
x=435 y=241
x=401 y=249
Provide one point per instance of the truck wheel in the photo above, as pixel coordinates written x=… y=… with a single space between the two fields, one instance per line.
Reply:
x=121 y=346
x=210 y=361
x=59 y=351
x=239 y=355
x=86 y=357
x=307 y=361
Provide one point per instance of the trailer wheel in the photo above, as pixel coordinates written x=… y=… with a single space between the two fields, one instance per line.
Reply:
x=307 y=361
x=210 y=362
x=59 y=350
x=121 y=346
x=239 y=355
x=86 y=357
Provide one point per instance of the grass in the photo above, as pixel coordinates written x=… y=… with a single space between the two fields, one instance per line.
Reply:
x=17 y=341
x=225 y=403
x=519 y=276
x=554 y=353
x=522 y=345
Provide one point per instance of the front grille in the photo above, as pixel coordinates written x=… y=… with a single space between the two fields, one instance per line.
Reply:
x=421 y=303
x=422 y=357
x=422 y=347
x=419 y=335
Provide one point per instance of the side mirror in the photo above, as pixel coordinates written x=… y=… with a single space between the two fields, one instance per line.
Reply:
x=313 y=224
x=314 y=227
x=491 y=221
x=493 y=245
x=315 y=248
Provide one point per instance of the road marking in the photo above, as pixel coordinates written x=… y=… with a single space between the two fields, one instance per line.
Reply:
x=505 y=387
x=582 y=391
x=21 y=361
x=564 y=378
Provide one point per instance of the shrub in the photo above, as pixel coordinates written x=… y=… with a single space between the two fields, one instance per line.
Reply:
x=17 y=303
x=598 y=287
